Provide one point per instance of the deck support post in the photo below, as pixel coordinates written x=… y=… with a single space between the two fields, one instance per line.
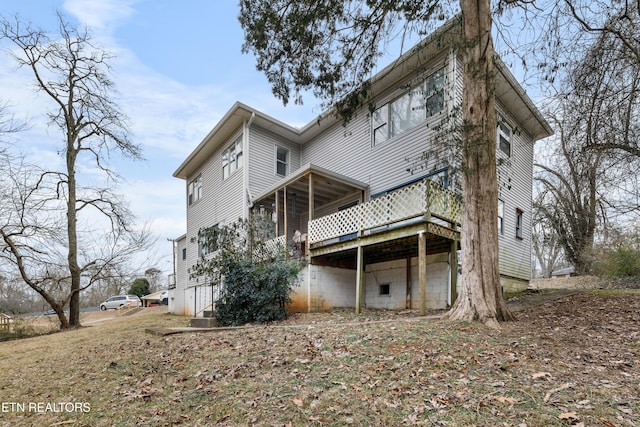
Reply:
x=422 y=271
x=453 y=267
x=359 y=279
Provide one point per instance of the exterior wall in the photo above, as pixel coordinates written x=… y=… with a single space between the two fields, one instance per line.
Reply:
x=349 y=150
x=515 y=187
x=262 y=159
x=176 y=295
x=395 y=273
x=221 y=201
x=330 y=287
x=510 y=284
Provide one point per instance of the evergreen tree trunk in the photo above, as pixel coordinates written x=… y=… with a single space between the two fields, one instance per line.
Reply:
x=480 y=298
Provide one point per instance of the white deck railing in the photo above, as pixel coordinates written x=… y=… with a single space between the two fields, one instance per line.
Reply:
x=421 y=199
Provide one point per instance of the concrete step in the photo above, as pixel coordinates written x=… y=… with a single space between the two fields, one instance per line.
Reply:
x=208 y=313
x=203 y=322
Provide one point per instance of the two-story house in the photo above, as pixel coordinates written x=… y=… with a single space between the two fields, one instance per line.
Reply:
x=377 y=199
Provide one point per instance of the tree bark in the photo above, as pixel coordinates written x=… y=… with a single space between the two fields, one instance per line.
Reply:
x=480 y=298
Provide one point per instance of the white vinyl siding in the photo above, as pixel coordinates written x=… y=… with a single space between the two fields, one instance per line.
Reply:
x=349 y=151
x=262 y=159
x=220 y=203
x=515 y=183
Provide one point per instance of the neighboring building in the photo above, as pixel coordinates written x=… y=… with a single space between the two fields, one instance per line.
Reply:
x=367 y=194
x=564 y=272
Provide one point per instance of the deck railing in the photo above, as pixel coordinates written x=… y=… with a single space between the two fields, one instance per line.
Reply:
x=422 y=199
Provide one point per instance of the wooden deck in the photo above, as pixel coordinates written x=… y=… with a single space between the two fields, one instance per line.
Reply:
x=391 y=223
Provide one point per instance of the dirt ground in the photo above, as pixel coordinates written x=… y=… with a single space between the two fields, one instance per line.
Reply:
x=572 y=359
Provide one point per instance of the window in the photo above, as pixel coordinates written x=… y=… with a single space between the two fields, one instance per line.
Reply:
x=208 y=241
x=194 y=190
x=380 y=127
x=410 y=109
x=519 y=214
x=504 y=137
x=385 y=289
x=500 y=216
x=282 y=161
x=184 y=253
x=232 y=158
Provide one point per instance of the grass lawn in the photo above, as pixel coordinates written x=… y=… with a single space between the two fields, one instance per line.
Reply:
x=569 y=361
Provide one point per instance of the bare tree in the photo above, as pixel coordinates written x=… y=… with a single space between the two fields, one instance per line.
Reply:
x=74 y=75
x=547 y=250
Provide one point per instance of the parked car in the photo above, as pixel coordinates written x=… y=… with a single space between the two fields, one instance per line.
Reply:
x=118 y=301
x=164 y=298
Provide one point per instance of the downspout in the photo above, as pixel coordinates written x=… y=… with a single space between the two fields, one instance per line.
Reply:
x=247 y=199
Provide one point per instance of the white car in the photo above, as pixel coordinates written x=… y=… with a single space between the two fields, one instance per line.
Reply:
x=118 y=301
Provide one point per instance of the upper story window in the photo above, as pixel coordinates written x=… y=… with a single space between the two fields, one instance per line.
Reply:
x=500 y=216
x=208 y=241
x=232 y=158
x=282 y=161
x=410 y=109
x=504 y=137
x=519 y=215
x=194 y=191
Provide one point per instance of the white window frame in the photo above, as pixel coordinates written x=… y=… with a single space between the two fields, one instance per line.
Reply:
x=504 y=133
x=284 y=162
x=194 y=190
x=232 y=158
x=500 y=216
x=410 y=109
x=519 y=223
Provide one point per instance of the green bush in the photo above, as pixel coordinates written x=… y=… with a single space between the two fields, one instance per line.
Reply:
x=622 y=262
x=256 y=280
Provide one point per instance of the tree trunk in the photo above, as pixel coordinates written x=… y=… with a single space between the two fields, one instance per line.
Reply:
x=72 y=235
x=480 y=298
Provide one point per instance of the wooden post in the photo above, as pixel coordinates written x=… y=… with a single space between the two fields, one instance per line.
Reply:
x=453 y=265
x=277 y=213
x=359 y=280
x=409 y=278
x=422 y=271
x=311 y=210
x=286 y=224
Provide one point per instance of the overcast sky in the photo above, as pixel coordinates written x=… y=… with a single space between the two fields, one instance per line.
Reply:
x=178 y=69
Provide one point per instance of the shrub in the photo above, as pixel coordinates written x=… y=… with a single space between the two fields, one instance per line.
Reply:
x=256 y=280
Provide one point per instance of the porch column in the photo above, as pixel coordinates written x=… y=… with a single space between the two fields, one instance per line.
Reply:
x=286 y=224
x=359 y=280
x=422 y=271
x=453 y=266
x=277 y=213
x=307 y=250
x=311 y=209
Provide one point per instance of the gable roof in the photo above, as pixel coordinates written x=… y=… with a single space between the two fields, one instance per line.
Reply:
x=508 y=91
